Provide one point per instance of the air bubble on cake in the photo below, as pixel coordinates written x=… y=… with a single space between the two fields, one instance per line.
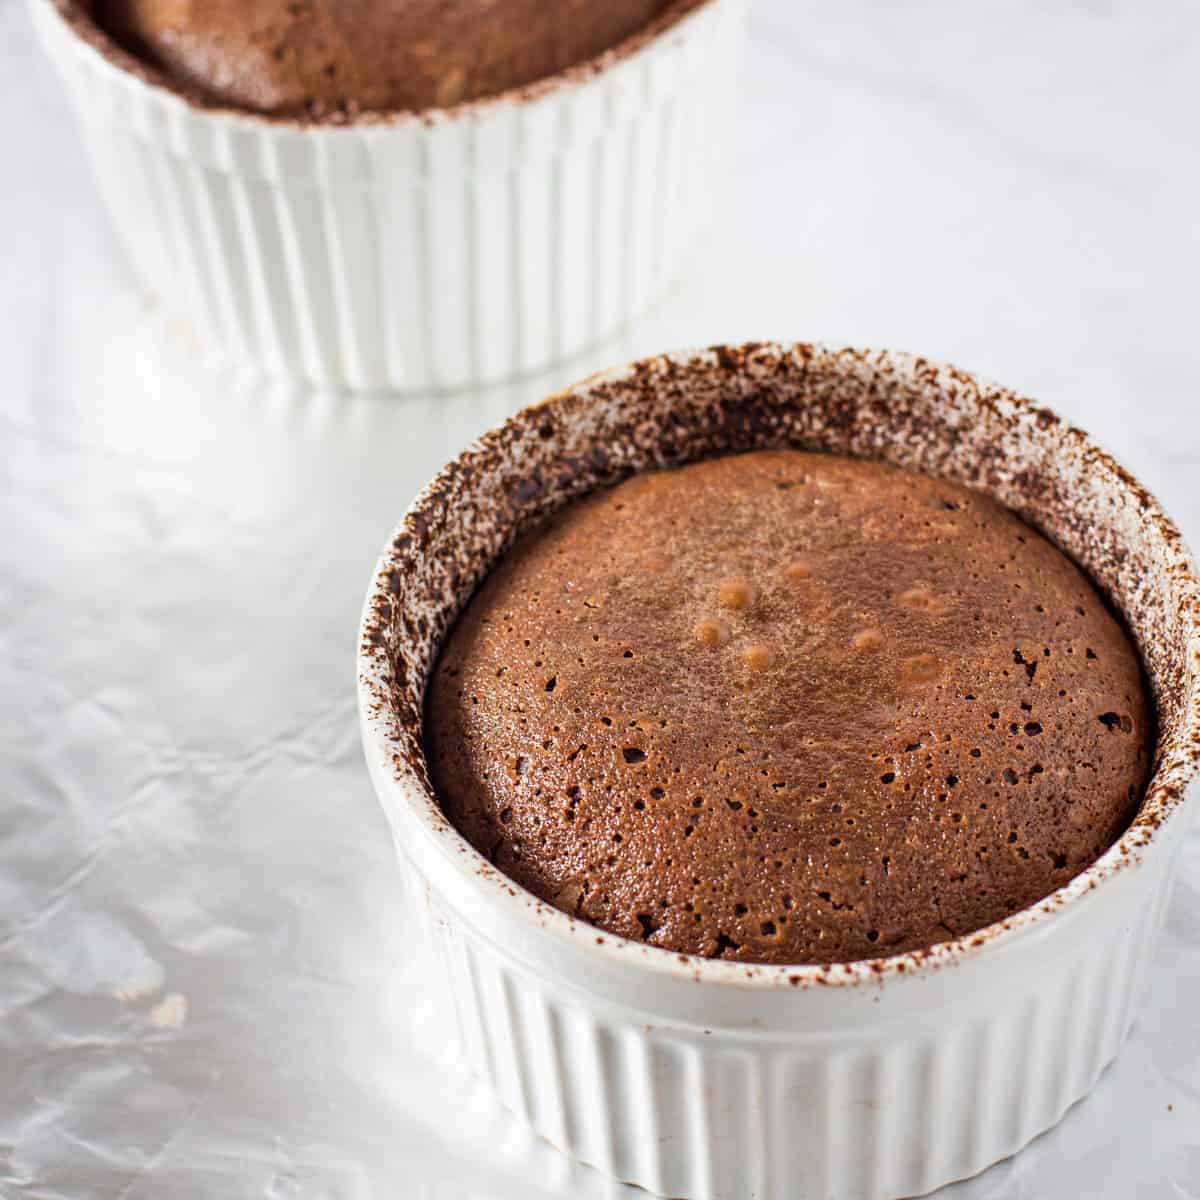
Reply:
x=736 y=593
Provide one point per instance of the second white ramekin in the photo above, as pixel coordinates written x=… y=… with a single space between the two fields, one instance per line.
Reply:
x=708 y=1079
x=417 y=252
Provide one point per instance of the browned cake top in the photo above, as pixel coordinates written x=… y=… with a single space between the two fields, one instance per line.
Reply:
x=788 y=707
x=328 y=57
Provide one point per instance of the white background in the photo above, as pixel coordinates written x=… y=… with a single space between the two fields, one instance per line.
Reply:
x=184 y=814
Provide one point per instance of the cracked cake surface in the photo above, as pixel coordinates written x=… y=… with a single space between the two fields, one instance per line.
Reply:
x=788 y=707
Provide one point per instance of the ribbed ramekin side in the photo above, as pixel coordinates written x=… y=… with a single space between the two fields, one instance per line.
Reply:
x=414 y=256
x=891 y=1109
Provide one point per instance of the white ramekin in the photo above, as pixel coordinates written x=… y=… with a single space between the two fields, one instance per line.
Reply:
x=419 y=251
x=704 y=1078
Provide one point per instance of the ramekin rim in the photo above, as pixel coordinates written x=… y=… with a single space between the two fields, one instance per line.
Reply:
x=1160 y=804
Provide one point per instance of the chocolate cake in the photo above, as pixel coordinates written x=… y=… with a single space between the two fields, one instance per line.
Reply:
x=788 y=707
x=337 y=57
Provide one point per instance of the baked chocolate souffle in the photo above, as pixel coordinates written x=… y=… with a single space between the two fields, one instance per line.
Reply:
x=788 y=707
x=324 y=58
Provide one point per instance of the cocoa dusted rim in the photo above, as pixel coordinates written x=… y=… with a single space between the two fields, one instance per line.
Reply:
x=669 y=410
x=78 y=15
